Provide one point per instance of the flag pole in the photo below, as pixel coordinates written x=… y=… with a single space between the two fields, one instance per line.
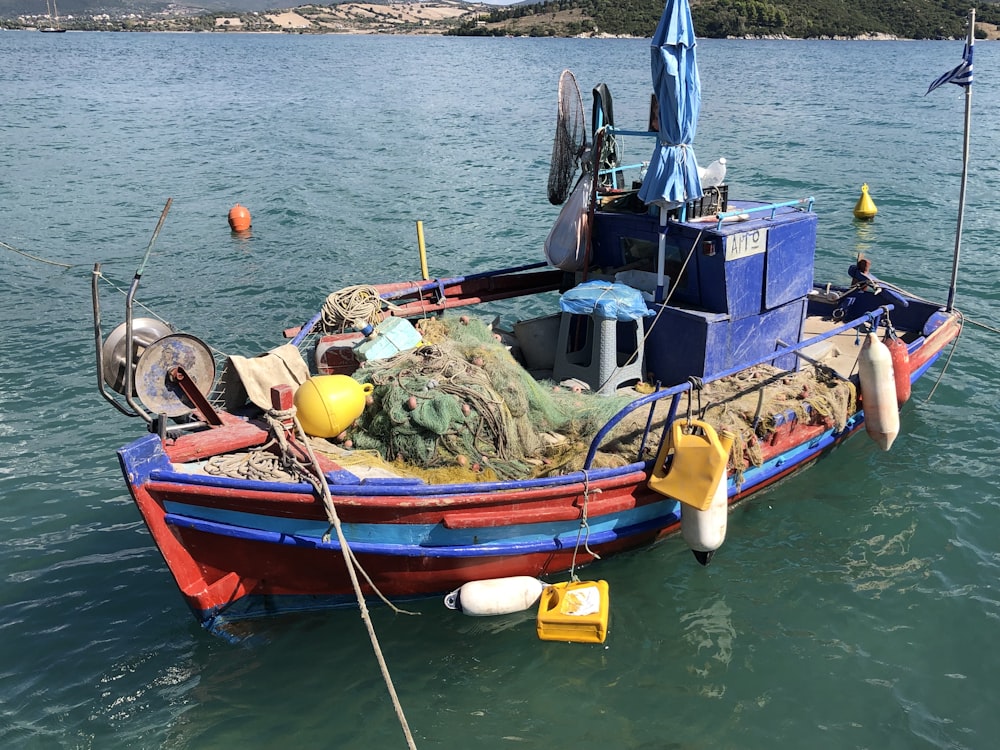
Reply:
x=965 y=171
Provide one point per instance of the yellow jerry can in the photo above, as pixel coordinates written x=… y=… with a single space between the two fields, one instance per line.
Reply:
x=574 y=611
x=698 y=459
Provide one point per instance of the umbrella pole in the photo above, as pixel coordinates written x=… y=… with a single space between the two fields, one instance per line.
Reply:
x=661 y=254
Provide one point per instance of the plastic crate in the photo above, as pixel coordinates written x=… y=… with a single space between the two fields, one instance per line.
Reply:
x=714 y=201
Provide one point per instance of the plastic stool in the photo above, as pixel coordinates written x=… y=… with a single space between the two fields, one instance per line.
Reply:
x=598 y=362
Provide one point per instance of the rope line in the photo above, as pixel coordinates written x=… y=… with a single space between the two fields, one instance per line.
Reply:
x=584 y=527
x=264 y=464
x=352 y=568
x=663 y=306
x=124 y=293
x=981 y=325
x=35 y=257
x=947 y=362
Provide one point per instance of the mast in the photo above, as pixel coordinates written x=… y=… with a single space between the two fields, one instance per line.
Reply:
x=965 y=169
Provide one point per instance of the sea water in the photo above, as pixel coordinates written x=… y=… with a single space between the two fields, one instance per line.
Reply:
x=853 y=605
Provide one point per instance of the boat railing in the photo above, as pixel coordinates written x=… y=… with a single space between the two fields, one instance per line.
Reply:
x=618 y=172
x=771 y=207
x=674 y=392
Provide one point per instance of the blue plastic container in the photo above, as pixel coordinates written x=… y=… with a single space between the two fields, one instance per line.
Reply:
x=389 y=338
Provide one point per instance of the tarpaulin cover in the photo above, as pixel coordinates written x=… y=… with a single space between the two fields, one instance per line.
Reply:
x=606 y=300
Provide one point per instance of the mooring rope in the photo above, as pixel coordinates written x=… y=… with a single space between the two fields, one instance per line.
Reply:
x=34 y=257
x=352 y=567
x=980 y=325
x=951 y=354
x=263 y=464
x=584 y=527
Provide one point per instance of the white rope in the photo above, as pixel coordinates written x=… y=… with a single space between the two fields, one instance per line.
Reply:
x=262 y=464
x=663 y=306
x=584 y=527
x=34 y=257
x=951 y=354
x=353 y=306
x=352 y=566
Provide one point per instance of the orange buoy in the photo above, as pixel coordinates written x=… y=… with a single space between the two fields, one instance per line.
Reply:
x=900 y=365
x=239 y=218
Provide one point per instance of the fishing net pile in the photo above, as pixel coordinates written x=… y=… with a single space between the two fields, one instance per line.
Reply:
x=752 y=405
x=460 y=408
x=460 y=404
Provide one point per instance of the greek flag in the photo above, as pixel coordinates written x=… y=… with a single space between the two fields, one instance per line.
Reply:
x=961 y=74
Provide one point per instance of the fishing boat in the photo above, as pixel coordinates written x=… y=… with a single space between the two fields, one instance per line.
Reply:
x=408 y=440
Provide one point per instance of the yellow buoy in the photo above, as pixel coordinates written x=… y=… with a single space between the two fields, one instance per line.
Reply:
x=865 y=207
x=326 y=405
x=239 y=218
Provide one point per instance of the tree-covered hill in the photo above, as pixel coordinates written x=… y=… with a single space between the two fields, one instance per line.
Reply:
x=905 y=19
x=908 y=19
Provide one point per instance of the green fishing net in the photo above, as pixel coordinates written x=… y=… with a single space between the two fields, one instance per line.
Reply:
x=461 y=408
x=462 y=401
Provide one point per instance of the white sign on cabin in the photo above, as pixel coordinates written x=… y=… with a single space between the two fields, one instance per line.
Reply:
x=745 y=244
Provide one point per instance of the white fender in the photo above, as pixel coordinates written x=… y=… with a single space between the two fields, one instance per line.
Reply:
x=878 y=392
x=705 y=530
x=496 y=596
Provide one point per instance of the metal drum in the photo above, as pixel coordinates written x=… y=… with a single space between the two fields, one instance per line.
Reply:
x=144 y=332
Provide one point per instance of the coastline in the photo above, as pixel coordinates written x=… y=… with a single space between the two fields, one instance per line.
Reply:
x=435 y=18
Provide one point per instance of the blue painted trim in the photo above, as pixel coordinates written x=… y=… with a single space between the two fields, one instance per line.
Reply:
x=922 y=370
x=798 y=456
x=564 y=540
x=388 y=487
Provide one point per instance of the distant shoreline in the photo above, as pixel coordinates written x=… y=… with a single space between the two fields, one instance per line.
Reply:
x=992 y=33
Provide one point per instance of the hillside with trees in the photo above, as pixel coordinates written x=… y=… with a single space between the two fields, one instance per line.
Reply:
x=806 y=19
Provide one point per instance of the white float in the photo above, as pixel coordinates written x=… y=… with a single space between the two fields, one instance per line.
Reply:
x=705 y=530
x=878 y=392
x=496 y=596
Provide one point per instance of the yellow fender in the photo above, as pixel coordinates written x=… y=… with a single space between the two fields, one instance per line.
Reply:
x=697 y=464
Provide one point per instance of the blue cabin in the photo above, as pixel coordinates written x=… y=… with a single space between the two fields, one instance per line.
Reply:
x=736 y=286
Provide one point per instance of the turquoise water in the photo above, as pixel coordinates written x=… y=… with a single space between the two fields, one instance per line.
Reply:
x=853 y=605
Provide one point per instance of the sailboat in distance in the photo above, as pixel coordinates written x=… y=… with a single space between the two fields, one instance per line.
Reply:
x=53 y=13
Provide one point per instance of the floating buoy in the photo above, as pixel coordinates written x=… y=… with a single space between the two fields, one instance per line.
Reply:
x=878 y=392
x=900 y=365
x=705 y=530
x=495 y=596
x=865 y=207
x=575 y=611
x=326 y=405
x=239 y=218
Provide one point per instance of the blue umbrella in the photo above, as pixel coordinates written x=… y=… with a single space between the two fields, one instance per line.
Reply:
x=672 y=176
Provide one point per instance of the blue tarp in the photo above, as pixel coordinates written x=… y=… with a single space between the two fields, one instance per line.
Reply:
x=606 y=300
